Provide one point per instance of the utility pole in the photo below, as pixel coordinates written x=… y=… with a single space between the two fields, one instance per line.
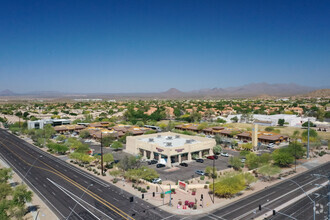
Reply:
x=213 y=180
x=308 y=141
x=101 y=155
x=295 y=157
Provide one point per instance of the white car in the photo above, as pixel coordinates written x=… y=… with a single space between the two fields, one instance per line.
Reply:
x=224 y=154
x=156 y=180
x=271 y=145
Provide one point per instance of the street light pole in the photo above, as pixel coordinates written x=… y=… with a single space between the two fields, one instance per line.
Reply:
x=101 y=155
x=72 y=210
x=31 y=167
x=213 y=180
x=314 y=208
x=308 y=140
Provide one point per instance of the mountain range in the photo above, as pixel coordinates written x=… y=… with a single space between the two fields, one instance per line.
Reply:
x=248 y=90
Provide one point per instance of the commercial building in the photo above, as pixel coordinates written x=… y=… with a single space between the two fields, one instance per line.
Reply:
x=39 y=124
x=170 y=147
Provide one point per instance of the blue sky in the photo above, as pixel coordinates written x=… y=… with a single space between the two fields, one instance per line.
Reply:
x=150 y=46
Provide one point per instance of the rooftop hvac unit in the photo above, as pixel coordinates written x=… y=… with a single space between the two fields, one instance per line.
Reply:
x=168 y=144
x=151 y=140
x=188 y=141
x=177 y=136
x=159 y=136
x=192 y=140
x=169 y=138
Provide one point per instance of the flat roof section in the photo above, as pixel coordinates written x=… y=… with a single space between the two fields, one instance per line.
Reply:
x=169 y=141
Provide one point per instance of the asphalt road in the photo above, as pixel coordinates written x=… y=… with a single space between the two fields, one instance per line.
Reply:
x=271 y=197
x=303 y=209
x=68 y=191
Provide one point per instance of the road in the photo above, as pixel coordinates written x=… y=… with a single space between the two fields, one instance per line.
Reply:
x=70 y=192
x=303 y=209
x=272 y=197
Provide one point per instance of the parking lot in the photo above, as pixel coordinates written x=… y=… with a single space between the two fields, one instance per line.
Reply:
x=186 y=173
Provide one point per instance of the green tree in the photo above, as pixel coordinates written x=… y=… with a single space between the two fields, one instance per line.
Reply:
x=281 y=122
x=117 y=145
x=229 y=186
x=305 y=124
x=61 y=138
x=21 y=195
x=269 y=129
x=252 y=161
x=296 y=149
x=107 y=140
x=217 y=149
x=282 y=157
x=218 y=139
x=313 y=136
x=202 y=126
x=209 y=171
x=84 y=134
x=129 y=162
x=108 y=158
x=234 y=119
x=269 y=171
x=5 y=175
x=247 y=146
x=48 y=131
x=235 y=162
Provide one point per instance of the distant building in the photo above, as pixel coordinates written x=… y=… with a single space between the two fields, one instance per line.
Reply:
x=39 y=124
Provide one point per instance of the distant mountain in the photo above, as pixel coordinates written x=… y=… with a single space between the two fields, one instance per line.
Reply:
x=255 y=89
x=321 y=93
x=172 y=93
x=7 y=92
x=259 y=90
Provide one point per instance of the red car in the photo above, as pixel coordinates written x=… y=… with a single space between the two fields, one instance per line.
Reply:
x=214 y=157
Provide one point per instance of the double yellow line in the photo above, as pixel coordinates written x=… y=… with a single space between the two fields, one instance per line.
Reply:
x=54 y=171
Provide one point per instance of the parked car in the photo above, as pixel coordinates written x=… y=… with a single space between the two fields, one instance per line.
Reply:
x=271 y=145
x=199 y=172
x=199 y=160
x=225 y=154
x=150 y=162
x=243 y=160
x=159 y=165
x=184 y=164
x=213 y=157
x=157 y=180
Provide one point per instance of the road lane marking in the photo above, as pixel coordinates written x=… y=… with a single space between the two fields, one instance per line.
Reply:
x=79 y=198
x=56 y=172
x=5 y=159
x=168 y=217
x=267 y=203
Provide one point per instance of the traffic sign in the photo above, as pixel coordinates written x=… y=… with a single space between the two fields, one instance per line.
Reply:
x=168 y=192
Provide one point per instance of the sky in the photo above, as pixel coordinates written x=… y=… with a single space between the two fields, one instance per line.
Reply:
x=151 y=46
